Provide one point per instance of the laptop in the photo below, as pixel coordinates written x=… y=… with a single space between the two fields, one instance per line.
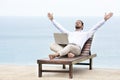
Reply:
x=61 y=38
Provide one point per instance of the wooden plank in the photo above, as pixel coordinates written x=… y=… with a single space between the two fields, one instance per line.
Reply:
x=66 y=60
x=83 y=59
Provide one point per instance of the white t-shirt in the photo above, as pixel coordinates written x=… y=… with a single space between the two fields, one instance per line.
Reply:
x=79 y=37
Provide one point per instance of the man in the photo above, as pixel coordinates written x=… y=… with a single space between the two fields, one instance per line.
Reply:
x=76 y=38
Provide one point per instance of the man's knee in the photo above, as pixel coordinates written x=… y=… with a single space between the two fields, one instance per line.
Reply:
x=52 y=46
x=56 y=47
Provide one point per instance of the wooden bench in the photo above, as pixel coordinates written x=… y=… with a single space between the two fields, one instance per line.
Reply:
x=85 y=55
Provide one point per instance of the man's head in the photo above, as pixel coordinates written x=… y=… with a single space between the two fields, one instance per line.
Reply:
x=79 y=25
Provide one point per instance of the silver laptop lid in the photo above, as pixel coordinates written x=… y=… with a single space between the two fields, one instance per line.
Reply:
x=61 y=38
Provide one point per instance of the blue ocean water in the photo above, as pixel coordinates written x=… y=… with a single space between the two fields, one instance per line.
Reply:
x=24 y=39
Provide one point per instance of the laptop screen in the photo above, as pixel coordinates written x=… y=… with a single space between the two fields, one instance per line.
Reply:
x=61 y=38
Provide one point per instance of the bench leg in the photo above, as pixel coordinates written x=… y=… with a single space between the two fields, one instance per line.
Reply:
x=71 y=71
x=64 y=66
x=40 y=70
x=90 y=66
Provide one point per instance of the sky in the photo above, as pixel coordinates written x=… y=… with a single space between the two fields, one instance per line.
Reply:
x=59 y=7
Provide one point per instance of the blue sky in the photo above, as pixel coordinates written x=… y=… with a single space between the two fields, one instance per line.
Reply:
x=58 y=7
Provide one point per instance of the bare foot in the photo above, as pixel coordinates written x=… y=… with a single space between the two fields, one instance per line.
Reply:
x=71 y=55
x=52 y=56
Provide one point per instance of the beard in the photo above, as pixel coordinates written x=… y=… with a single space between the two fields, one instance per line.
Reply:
x=76 y=27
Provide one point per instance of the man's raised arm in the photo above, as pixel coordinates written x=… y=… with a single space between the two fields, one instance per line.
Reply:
x=99 y=24
x=57 y=25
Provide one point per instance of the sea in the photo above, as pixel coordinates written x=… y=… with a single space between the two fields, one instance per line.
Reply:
x=24 y=39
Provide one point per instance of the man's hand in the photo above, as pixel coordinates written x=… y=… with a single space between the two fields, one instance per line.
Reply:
x=108 y=16
x=50 y=16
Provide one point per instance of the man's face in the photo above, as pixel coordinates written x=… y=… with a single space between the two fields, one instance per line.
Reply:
x=78 y=25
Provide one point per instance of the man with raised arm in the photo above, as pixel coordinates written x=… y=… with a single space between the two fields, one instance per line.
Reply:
x=76 y=39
